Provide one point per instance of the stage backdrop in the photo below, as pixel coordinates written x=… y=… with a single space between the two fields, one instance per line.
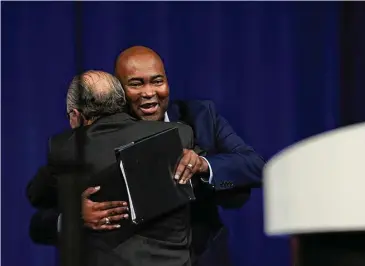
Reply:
x=273 y=70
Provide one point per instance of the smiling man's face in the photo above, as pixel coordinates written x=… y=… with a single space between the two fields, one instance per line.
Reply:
x=143 y=77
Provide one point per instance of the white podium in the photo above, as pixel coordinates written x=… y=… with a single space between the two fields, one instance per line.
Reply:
x=315 y=190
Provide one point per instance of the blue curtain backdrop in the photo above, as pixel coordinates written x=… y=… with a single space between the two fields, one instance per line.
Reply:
x=274 y=70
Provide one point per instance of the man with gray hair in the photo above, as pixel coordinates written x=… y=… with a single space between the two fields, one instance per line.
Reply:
x=97 y=94
x=95 y=104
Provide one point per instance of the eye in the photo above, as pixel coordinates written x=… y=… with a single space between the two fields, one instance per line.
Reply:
x=158 y=82
x=135 y=84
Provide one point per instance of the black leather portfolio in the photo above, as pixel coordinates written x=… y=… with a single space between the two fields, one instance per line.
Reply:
x=148 y=166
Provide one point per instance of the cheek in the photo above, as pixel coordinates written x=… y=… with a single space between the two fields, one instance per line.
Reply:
x=132 y=96
x=132 y=100
x=163 y=92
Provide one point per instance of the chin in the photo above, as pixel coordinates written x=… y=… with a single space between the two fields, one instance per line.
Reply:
x=154 y=117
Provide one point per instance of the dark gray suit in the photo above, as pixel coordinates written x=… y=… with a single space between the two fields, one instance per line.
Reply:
x=165 y=241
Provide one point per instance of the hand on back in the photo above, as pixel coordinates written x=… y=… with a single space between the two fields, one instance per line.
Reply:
x=102 y=215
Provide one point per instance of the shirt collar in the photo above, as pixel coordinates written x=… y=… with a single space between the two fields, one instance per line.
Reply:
x=166 y=118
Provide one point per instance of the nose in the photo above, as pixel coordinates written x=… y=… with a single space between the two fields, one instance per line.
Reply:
x=148 y=92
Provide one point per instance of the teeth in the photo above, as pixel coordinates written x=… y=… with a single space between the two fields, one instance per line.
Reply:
x=147 y=105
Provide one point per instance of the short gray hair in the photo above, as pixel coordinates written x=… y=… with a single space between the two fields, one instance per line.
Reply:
x=95 y=101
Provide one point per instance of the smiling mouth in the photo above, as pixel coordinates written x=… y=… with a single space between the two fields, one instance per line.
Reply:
x=149 y=108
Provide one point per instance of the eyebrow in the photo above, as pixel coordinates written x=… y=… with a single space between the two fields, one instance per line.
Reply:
x=157 y=76
x=141 y=79
x=135 y=79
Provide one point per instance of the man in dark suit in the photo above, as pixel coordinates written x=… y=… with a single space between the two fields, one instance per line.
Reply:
x=229 y=169
x=95 y=104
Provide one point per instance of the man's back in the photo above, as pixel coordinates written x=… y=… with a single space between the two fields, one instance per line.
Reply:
x=96 y=144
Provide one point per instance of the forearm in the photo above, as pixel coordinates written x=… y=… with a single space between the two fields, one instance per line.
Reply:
x=235 y=170
x=233 y=163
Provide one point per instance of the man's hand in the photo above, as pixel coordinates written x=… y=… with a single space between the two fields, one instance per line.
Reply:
x=102 y=215
x=190 y=164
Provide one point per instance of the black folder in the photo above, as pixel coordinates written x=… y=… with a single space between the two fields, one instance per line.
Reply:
x=148 y=166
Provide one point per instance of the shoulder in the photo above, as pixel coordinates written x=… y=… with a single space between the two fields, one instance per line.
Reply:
x=152 y=126
x=189 y=110
x=59 y=140
x=63 y=136
x=194 y=104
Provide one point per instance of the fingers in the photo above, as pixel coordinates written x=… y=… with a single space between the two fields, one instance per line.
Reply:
x=189 y=164
x=108 y=227
x=113 y=212
x=99 y=215
x=89 y=191
x=103 y=226
x=109 y=222
x=107 y=217
x=197 y=166
x=188 y=172
x=111 y=219
x=182 y=165
x=117 y=218
x=109 y=205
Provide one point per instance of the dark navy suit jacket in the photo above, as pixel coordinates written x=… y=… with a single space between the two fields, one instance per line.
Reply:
x=233 y=162
x=236 y=167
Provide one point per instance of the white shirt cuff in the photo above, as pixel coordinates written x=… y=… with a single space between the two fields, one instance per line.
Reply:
x=59 y=223
x=210 y=171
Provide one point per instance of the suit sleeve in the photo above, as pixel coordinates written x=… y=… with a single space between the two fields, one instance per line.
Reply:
x=42 y=189
x=43 y=227
x=235 y=164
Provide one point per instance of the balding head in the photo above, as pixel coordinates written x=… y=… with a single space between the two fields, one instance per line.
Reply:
x=133 y=57
x=94 y=94
x=142 y=74
x=98 y=82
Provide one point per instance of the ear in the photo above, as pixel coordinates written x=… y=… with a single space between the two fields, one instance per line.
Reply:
x=75 y=118
x=76 y=112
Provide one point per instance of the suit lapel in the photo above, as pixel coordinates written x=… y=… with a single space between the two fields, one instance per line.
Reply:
x=173 y=112
x=198 y=119
x=177 y=112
